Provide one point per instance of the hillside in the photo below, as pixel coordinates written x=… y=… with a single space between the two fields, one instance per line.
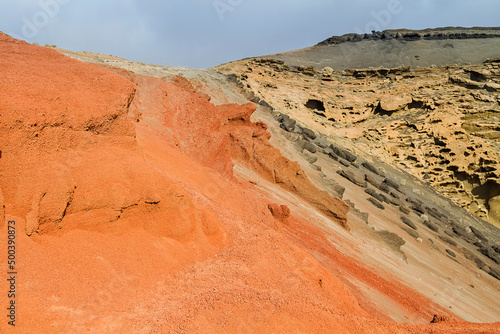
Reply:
x=151 y=199
x=403 y=47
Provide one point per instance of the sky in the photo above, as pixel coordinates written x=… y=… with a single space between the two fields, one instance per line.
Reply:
x=204 y=33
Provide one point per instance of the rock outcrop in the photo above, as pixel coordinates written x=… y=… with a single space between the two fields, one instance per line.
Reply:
x=440 y=124
x=414 y=35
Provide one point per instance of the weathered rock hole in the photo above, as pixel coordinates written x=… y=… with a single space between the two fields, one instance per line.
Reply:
x=315 y=104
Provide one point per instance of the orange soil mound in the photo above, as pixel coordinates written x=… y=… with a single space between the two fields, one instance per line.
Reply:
x=129 y=219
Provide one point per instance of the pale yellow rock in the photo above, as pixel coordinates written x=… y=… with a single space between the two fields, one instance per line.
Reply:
x=437 y=124
x=394 y=103
x=494 y=205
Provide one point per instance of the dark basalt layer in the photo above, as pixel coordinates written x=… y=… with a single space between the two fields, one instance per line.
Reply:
x=415 y=35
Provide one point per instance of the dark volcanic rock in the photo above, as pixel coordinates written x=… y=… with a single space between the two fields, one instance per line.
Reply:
x=335 y=187
x=354 y=176
x=418 y=209
x=385 y=188
x=435 y=213
x=449 y=251
x=471 y=256
x=461 y=232
x=372 y=168
x=415 y=35
x=404 y=209
x=391 y=183
x=410 y=231
x=496 y=248
x=376 y=203
x=414 y=201
x=396 y=196
x=309 y=133
x=478 y=233
x=289 y=124
x=371 y=180
x=448 y=240
x=376 y=195
x=344 y=163
x=431 y=226
x=490 y=253
x=392 y=239
x=310 y=147
x=332 y=155
x=495 y=273
x=408 y=222
x=343 y=153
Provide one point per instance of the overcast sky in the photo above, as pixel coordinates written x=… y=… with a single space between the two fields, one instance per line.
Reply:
x=203 y=33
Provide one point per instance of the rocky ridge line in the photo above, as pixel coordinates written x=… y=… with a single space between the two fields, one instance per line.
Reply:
x=415 y=35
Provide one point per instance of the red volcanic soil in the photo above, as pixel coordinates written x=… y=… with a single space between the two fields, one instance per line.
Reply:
x=129 y=219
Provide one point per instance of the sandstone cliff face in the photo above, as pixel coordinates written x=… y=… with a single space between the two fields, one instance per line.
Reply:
x=440 y=124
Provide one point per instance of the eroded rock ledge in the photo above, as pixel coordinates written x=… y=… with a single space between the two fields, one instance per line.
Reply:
x=415 y=35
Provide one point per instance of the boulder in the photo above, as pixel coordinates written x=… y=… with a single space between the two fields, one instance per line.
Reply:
x=372 y=168
x=309 y=133
x=431 y=226
x=376 y=203
x=332 y=154
x=334 y=187
x=391 y=183
x=282 y=117
x=316 y=167
x=418 y=209
x=478 y=233
x=394 y=201
x=308 y=70
x=391 y=104
x=321 y=142
x=343 y=153
x=408 y=222
x=310 y=158
x=376 y=195
x=372 y=181
x=435 y=213
x=344 y=163
x=385 y=188
x=310 y=147
x=394 y=195
x=289 y=124
x=404 y=209
x=354 y=176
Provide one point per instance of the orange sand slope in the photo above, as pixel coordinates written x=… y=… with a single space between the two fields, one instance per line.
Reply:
x=129 y=218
